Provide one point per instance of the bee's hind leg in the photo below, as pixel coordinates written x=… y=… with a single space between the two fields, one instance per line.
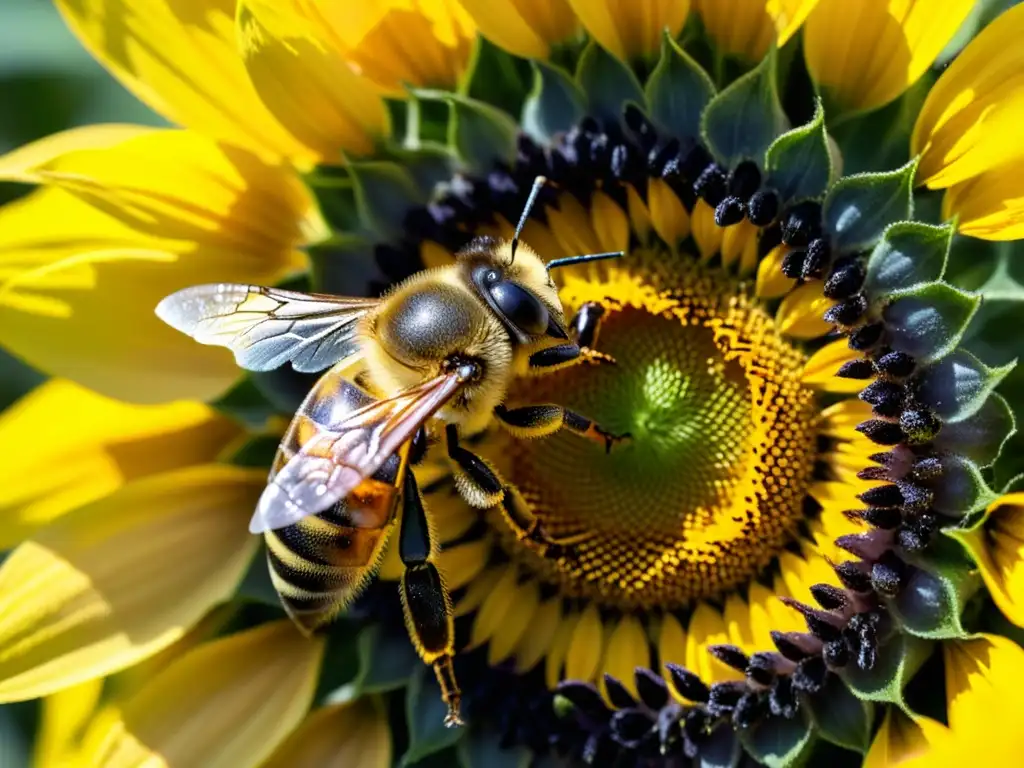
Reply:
x=425 y=599
x=481 y=487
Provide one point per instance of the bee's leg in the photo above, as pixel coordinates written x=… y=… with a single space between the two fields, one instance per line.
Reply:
x=425 y=600
x=584 y=328
x=481 y=487
x=540 y=420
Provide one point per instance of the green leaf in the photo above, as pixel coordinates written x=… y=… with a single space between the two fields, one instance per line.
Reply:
x=344 y=265
x=554 y=105
x=858 y=208
x=608 y=84
x=496 y=77
x=386 y=661
x=777 y=742
x=479 y=135
x=981 y=437
x=958 y=385
x=742 y=121
x=929 y=320
x=428 y=164
x=677 y=91
x=336 y=198
x=480 y=749
x=256 y=451
x=425 y=713
x=898 y=660
x=384 y=195
x=909 y=253
x=246 y=403
x=961 y=489
x=720 y=750
x=841 y=717
x=256 y=585
x=798 y=163
x=941 y=581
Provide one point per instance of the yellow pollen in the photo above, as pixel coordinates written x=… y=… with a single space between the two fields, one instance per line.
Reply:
x=711 y=485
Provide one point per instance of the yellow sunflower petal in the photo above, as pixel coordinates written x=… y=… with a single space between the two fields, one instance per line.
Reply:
x=998 y=549
x=736 y=240
x=556 y=654
x=746 y=28
x=527 y=28
x=800 y=313
x=396 y=43
x=324 y=104
x=707 y=234
x=667 y=214
x=535 y=643
x=707 y=627
x=609 y=222
x=865 y=54
x=228 y=703
x=671 y=648
x=771 y=281
x=737 y=621
x=516 y=624
x=990 y=205
x=179 y=57
x=339 y=736
x=498 y=603
x=970 y=122
x=63 y=446
x=179 y=185
x=586 y=646
x=629 y=29
x=902 y=739
x=90 y=318
x=983 y=695
x=820 y=370
x=113 y=582
x=461 y=564
x=64 y=715
x=628 y=649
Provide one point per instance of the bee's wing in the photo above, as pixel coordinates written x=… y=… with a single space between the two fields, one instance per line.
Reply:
x=267 y=327
x=334 y=461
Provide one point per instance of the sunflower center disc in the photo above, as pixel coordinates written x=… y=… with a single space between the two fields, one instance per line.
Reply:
x=710 y=486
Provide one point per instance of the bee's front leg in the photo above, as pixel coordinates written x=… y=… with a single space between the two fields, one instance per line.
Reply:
x=425 y=599
x=583 y=331
x=478 y=483
x=530 y=421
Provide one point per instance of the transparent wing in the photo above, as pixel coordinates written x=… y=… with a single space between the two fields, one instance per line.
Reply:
x=267 y=327
x=334 y=461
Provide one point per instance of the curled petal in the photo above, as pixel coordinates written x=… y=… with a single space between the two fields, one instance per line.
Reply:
x=64 y=446
x=903 y=740
x=865 y=55
x=313 y=92
x=747 y=28
x=527 y=28
x=998 y=549
x=629 y=29
x=990 y=205
x=230 y=702
x=970 y=122
x=338 y=736
x=396 y=43
x=179 y=57
x=118 y=580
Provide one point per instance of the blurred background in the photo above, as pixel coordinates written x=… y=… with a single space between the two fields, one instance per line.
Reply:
x=48 y=82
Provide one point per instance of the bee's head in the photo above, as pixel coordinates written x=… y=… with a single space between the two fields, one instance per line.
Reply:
x=517 y=290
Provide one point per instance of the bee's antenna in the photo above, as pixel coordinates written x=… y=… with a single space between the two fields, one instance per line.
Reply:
x=539 y=182
x=583 y=259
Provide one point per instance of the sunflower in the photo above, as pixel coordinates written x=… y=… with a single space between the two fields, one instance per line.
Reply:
x=808 y=549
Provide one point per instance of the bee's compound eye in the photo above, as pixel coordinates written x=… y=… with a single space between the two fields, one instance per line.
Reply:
x=520 y=307
x=492 y=276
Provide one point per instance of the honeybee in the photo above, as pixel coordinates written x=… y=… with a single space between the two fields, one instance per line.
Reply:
x=444 y=343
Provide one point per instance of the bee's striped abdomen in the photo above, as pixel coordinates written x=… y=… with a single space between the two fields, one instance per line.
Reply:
x=321 y=563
